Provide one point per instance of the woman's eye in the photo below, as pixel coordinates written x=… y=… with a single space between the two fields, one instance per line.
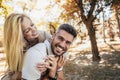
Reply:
x=32 y=25
x=27 y=30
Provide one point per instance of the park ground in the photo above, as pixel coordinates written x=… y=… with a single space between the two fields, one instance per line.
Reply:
x=79 y=65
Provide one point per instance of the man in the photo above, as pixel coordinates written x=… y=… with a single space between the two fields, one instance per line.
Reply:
x=58 y=46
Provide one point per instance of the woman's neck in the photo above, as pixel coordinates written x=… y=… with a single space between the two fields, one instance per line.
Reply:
x=32 y=43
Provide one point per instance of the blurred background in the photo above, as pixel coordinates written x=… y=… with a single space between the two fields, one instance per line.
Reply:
x=97 y=46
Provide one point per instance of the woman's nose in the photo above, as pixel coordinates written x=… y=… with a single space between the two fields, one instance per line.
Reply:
x=33 y=28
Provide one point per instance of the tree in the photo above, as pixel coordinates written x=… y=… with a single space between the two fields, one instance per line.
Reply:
x=111 y=31
x=88 y=18
x=86 y=11
x=4 y=9
x=116 y=7
x=52 y=27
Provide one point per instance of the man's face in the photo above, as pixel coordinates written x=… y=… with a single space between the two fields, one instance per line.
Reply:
x=61 y=42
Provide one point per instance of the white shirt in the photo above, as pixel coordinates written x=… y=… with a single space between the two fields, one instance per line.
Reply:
x=34 y=55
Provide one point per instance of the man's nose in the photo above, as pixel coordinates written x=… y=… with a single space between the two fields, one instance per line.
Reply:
x=63 y=44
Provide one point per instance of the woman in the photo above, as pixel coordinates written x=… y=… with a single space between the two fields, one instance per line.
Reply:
x=19 y=35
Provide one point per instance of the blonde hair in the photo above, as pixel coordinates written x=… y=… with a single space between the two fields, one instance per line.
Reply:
x=14 y=41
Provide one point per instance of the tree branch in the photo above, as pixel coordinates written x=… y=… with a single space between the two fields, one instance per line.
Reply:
x=90 y=13
x=80 y=5
x=98 y=11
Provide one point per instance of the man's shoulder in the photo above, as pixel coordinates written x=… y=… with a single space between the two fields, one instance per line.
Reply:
x=38 y=47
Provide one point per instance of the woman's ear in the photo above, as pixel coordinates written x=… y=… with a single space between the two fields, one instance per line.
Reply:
x=25 y=42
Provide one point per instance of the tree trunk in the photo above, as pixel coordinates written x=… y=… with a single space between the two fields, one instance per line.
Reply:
x=110 y=31
x=118 y=20
x=92 y=36
x=103 y=28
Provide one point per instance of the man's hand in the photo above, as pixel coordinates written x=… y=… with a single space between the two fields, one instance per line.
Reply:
x=61 y=62
x=52 y=65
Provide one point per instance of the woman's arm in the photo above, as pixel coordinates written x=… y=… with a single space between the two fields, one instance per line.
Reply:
x=44 y=35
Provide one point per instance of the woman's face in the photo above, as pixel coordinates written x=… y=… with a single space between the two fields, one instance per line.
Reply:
x=29 y=29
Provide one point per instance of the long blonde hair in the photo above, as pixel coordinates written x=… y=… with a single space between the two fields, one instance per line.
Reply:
x=14 y=41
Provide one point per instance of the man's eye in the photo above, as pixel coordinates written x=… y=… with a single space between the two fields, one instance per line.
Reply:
x=67 y=42
x=60 y=38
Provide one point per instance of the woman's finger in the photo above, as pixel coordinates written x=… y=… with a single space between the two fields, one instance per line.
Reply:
x=51 y=58
x=41 y=64
x=49 y=67
x=42 y=70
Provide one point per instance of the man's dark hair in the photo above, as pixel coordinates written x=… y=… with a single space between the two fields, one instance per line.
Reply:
x=68 y=28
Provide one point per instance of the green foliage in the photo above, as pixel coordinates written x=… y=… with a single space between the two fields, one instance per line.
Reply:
x=71 y=10
x=6 y=9
x=53 y=26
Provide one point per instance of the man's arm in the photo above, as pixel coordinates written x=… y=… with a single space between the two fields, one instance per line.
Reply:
x=60 y=64
x=60 y=75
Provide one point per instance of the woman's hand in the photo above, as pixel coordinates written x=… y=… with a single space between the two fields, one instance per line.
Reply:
x=41 y=67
